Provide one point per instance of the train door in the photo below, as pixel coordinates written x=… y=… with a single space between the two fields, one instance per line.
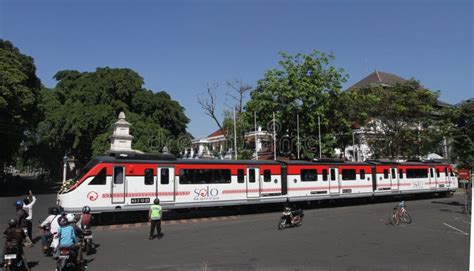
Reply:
x=334 y=184
x=253 y=182
x=432 y=177
x=118 y=185
x=166 y=184
x=394 y=181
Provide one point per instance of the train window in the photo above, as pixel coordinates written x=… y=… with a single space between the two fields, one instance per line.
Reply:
x=100 y=178
x=118 y=175
x=413 y=173
x=400 y=173
x=149 y=176
x=325 y=174
x=446 y=171
x=437 y=173
x=309 y=175
x=362 y=174
x=385 y=173
x=394 y=173
x=451 y=172
x=204 y=176
x=165 y=176
x=240 y=175
x=267 y=176
x=333 y=174
x=252 y=175
x=348 y=174
x=431 y=173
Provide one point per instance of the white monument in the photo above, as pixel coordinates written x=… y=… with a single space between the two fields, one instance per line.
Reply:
x=121 y=140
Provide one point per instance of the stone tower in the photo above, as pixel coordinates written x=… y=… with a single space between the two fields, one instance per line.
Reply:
x=121 y=140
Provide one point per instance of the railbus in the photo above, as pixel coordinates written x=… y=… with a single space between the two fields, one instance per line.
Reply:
x=130 y=182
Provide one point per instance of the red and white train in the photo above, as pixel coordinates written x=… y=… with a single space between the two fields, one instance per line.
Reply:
x=109 y=184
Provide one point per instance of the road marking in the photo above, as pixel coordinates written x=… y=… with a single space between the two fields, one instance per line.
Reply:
x=454 y=228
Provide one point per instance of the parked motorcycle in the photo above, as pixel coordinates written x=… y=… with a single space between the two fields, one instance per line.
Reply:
x=291 y=218
x=13 y=259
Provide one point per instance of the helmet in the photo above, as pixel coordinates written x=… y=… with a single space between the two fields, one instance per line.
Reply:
x=12 y=222
x=19 y=203
x=156 y=201
x=70 y=218
x=26 y=201
x=54 y=211
x=86 y=209
x=62 y=221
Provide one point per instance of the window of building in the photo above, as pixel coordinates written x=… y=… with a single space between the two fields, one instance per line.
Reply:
x=118 y=175
x=252 y=175
x=165 y=176
x=348 y=174
x=309 y=175
x=325 y=174
x=362 y=174
x=267 y=176
x=100 y=179
x=240 y=175
x=333 y=174
x=149 y=176
x=204 y=176
x=385 y=173
x=413 y=173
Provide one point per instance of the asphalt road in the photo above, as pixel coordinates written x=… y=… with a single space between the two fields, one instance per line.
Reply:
x=331 y=238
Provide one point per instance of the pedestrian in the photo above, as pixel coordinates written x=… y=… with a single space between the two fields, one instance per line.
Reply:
x=29 y=202
x=155 y=219
x=21 y=216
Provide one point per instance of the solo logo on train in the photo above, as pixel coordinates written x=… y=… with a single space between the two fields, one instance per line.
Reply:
x=207 y=193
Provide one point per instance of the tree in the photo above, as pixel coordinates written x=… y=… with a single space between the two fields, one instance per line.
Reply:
x=307 y=85
x=80 y=111
x=403 y=120
x=463 y=134
x=19 y=94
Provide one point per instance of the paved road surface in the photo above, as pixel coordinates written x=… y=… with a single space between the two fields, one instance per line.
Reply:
x=339 y=238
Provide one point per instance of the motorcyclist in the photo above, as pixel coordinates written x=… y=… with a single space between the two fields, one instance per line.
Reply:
x=86 y=218
x=15 y=237
x=52 y=222
x=71 y=219
x=22 y=223
x=66 y=235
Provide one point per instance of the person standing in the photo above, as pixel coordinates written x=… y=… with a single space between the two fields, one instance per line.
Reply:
x=155 y=218
x=29 y=201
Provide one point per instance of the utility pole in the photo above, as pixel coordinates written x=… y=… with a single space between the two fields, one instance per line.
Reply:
x=64 y=167
x=256 y=137
x=298 y=134
x=235 y=136
x=319 y=131
x=274 y=138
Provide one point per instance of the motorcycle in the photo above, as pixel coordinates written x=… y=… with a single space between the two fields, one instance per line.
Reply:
x=66 y=259
x=13 y=259
x=47 y=250
x=291 y=218
x=87 y=245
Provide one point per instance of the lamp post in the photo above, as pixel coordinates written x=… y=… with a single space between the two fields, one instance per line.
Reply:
x=64 y=167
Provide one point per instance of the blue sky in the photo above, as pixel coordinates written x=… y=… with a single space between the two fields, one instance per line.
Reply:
x=180 y=46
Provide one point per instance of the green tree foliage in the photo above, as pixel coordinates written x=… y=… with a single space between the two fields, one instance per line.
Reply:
x=404 y=120
x=80 y=111
x=307 y=85
x=463 y=134
x=19 y=93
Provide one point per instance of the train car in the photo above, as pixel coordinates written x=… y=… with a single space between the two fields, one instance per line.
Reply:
x=131 y=182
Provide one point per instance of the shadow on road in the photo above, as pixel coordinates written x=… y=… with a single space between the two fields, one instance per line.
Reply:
x=452 y=203
x=20 y=187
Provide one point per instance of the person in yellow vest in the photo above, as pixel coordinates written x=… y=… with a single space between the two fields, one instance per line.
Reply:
x=155 y=219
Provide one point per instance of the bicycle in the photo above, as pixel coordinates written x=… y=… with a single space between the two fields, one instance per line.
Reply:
x=400 y=214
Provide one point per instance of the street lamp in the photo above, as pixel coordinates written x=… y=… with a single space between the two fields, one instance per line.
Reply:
x=64 y=167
